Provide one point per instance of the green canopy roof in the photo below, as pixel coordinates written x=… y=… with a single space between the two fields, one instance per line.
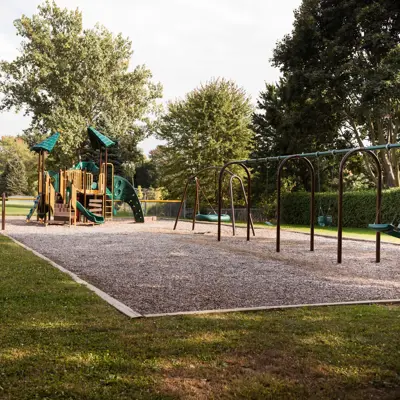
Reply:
x=98 y=140
x=90 y=166
x=47 y=144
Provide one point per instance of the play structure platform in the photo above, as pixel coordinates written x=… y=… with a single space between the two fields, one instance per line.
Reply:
x=88 y=192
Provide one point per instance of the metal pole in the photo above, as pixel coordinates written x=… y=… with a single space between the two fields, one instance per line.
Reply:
x=378 y=201
x=221 y=176
x=232 y=205
x=245 y=199
x=312 y=200
x=196 y=204
x=3 y=212
x=183 y=203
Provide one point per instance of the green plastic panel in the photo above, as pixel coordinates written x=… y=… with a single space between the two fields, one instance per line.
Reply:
x=97 y=139
x=89 y=215
x=125 y=192
x=47 y=144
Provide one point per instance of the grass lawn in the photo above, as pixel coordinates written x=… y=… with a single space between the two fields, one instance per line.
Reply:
x=60 y=341
x=16 y=209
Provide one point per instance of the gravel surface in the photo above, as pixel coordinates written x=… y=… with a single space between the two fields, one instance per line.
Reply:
x=153 y=269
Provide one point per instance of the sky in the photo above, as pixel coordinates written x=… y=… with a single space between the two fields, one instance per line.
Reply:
x=183 y=42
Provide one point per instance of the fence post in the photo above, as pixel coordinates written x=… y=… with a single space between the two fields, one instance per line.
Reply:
x=3 y=212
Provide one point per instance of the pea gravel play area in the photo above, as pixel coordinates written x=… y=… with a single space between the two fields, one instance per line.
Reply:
x=153 y=269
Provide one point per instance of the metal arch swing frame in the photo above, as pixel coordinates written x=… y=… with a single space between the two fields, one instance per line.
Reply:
x=347 y=153
x=378 y=201
x=197 y=201
x=248 y=213
x=312 y=200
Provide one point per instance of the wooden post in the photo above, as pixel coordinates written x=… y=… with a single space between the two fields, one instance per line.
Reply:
x=3 y=212
x=39 y=185
x=84 y=191
x=105 y=184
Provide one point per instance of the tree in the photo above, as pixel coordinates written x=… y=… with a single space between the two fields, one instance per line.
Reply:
x=15 y=147
x=129 y=169
x=147 y=174
x=346 y=54
x=13 y=180
x=67 y=78
x=209 y=127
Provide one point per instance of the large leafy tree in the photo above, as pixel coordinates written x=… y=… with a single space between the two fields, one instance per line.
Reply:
x=210 y=126
x=346 y=54
x=66 y=78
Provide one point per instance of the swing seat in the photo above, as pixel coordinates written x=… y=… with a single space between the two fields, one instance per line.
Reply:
x=213 y=217
x=388 y=229
x=325 y=220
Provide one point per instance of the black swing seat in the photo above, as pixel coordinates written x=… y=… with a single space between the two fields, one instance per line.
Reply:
x=388 y=229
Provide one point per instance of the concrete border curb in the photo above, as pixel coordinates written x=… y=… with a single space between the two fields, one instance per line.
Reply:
x=121 y=307
x=274 y=308
x=124 y=309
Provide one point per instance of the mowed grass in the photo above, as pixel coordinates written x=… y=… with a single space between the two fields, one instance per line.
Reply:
x=60 y=341
x=16 y=209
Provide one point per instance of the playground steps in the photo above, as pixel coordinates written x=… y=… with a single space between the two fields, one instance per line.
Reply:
x=109 y=209
x=62 y=213
x=96 y=207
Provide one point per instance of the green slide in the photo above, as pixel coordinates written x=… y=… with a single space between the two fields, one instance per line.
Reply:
x=33 y=209
x=125 y=192
x=89 y=215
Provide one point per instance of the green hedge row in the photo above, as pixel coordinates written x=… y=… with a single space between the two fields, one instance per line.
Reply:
x=358 y=207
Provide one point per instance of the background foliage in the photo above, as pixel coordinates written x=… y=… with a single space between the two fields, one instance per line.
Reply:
x=358 y=207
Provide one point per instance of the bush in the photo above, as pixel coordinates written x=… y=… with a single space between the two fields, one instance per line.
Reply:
x=358 y=207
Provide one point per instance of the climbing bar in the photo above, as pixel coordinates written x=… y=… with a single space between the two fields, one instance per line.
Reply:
x=325 y=153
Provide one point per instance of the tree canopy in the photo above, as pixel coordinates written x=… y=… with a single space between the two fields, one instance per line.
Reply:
x=342 y=60
x=210 y=126
x=66 y=78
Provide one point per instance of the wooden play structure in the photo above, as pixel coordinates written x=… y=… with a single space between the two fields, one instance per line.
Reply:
x=86 y=193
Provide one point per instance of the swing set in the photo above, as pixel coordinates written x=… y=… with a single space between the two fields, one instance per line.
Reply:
x=213 y=216
x=323 y=218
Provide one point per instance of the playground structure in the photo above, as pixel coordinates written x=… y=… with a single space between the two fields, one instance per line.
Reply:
x=197 y=216
x=87 y=191
x=377 y=226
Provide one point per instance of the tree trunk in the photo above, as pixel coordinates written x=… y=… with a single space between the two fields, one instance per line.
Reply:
x=388 y=167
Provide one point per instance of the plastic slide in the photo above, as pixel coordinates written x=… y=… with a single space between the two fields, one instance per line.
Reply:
x=125 y=192
x=33 y=209
x=89 y=215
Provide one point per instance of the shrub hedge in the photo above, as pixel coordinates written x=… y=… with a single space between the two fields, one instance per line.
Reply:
x=358 y=207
